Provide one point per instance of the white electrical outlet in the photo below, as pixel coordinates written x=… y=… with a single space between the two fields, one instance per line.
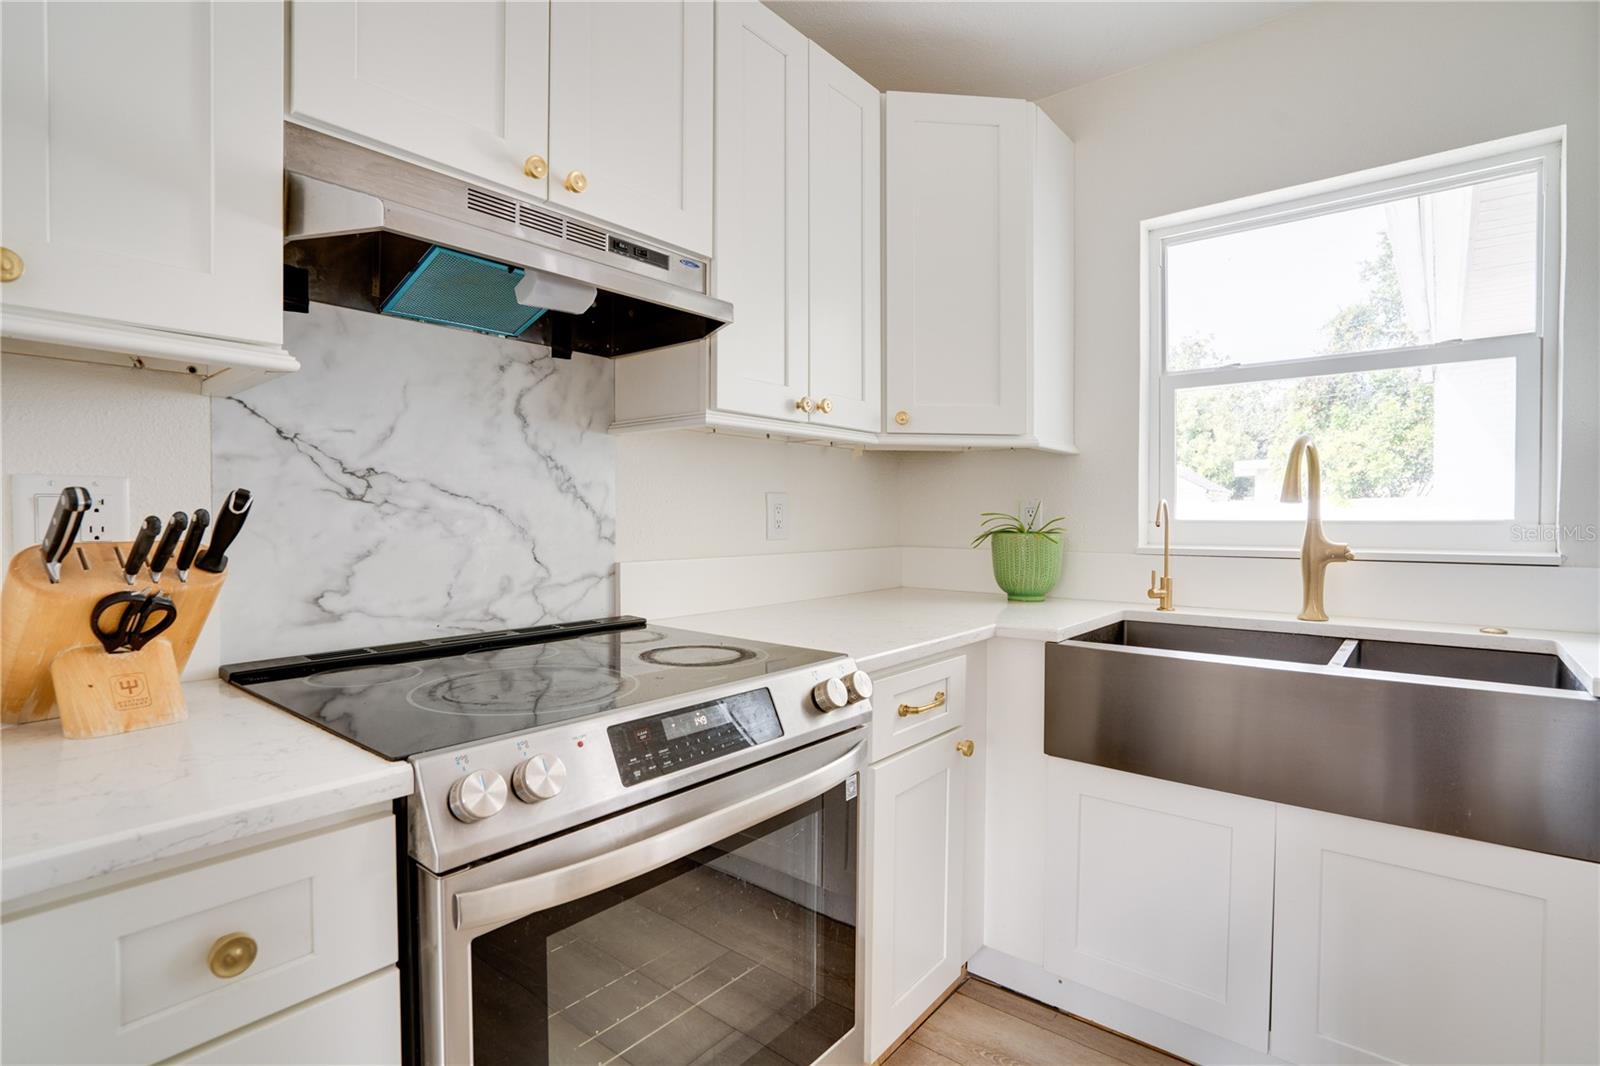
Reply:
x=1030 y=511
x=777 y=516
x=33 y=501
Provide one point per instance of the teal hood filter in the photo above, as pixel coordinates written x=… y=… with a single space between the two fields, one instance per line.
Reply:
x=449 y=288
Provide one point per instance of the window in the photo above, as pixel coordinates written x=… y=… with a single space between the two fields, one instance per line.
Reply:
x=1404 y=319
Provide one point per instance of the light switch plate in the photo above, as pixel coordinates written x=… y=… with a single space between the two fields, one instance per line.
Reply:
x=33 y=501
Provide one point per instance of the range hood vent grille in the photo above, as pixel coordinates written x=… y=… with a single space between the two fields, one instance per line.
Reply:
x=489 y=204
x=586 y=235
x=543 y=221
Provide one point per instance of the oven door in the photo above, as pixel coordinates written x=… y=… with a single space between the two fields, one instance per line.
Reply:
x=716 y=925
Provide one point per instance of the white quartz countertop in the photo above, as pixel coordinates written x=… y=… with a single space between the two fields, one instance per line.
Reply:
x=77 y=809
x=894 y=626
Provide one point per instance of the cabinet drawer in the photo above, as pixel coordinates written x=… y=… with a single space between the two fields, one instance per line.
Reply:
x=915 y=704
x=359 y=1023
x=127 y=976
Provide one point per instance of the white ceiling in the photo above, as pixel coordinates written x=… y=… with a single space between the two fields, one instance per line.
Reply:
x=1009 y=48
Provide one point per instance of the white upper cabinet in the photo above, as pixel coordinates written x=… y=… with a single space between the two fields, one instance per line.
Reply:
x=143 y=179
x=464 y=85
x=846 y=228
x=797 y=249
x=760 y=260
x=979 y=283
x=630 y=115
x=604 y=108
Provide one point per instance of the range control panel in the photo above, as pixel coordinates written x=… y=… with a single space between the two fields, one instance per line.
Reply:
x=646 y=748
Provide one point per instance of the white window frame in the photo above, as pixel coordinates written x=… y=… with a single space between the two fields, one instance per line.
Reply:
x=1537 y=357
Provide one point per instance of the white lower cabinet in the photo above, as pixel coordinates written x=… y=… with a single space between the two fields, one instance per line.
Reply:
x=916 y=850
x=356 y=1024
x=1160 y=894
x=1397 y=945
x=141 y=972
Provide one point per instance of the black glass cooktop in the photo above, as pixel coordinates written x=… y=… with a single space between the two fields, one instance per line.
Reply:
x=400 y=700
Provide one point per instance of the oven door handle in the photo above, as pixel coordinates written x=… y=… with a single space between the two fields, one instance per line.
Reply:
x=498 y=904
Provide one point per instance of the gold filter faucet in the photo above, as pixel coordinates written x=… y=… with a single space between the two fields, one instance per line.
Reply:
x=1162 y=590
x=1316 y=550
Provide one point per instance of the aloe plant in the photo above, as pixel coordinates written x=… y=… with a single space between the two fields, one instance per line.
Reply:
x=1000 y=522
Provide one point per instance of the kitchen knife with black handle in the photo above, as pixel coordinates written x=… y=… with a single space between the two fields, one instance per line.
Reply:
x=230 y=519
x=168 y=545
x=191 y=542
x=65 y=522
x=141 y=548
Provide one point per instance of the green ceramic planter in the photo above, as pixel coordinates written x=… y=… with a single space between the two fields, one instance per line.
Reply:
x=1026 y=565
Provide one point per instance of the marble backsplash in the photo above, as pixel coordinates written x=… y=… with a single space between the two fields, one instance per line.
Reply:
x=413 y=481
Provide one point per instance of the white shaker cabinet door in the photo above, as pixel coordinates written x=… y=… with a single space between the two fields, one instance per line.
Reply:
x=143 y=163
x=1161 y=894
x=463 y=85
x=1393 y=945
x=846 y=241
x=760 y=257
x=918 y=864
x=631 y=112
x=957 y=191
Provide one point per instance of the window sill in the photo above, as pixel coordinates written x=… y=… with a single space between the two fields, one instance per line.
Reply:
x=1374 y=555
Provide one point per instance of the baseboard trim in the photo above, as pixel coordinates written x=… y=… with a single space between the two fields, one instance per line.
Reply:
x=1118 y=1015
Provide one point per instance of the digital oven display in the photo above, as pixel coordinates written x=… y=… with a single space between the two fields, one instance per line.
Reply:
x=647 y=748
x=711 y=716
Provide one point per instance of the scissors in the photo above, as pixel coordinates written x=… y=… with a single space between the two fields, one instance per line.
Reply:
x=145 y=616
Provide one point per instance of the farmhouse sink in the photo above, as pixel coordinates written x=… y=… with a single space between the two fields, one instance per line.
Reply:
x=1493 y=745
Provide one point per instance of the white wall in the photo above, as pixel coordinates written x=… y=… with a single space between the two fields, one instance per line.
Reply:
x=693 y=495
x=80 y=418
x=1327 y=90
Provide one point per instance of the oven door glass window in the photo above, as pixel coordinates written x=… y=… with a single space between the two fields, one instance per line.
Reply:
x=744 y=952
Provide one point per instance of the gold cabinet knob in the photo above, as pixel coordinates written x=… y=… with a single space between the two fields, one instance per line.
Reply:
x=901 y=418
x=576 y=182
x=232 y=955
x=964 y=747
x=10 y=265
x=825 y=405
x=804 y=404
x=535 y=167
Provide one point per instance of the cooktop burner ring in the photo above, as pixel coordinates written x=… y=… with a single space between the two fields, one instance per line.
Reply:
x=542 y=684
x=364 y=676
x=673 y=655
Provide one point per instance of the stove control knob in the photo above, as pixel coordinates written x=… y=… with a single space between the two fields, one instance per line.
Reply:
x=830 y=695
x=479 y=795
x=539 y=778
x=859 y=685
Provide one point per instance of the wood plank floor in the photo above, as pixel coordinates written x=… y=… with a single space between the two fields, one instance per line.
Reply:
x=985 y=1025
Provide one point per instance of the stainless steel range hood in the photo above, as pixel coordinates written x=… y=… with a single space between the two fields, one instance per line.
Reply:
x=378 y=234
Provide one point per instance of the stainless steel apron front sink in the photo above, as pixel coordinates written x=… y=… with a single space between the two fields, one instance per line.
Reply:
x=1493 y=745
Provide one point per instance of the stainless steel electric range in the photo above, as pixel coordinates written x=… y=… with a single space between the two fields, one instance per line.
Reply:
x=627 y=843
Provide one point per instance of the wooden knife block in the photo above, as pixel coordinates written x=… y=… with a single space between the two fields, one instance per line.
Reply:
x=100 y=694
x=39 y=621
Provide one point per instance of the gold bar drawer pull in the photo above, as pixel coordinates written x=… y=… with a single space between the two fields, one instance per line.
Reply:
x=907 y=710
